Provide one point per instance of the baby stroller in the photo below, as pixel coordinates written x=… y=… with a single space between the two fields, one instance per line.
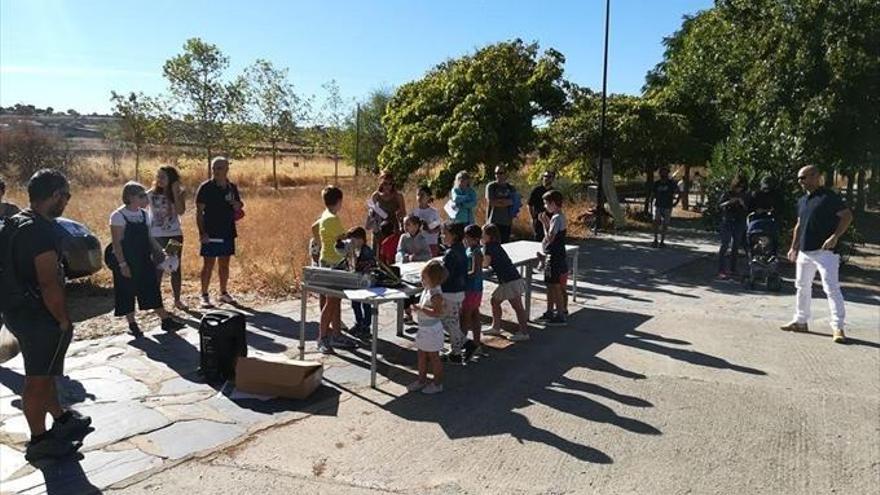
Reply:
x=762 y=241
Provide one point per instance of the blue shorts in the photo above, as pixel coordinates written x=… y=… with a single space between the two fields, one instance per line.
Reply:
x=214 y=249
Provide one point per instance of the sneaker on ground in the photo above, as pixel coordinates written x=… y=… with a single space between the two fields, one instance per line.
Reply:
x=324 y=346
x=519 y=337
x=408 y=320
x=74 y=427
x=342 y=342
x=544 y=318
x=490 y=330
x=557 y=320
x=481 y=352
x=452 y=358
x=181 y=305
x=432 y=388
x=655 y=244
x=171 y=325
x=838 y=336
x=135 y=330
x=469 y=348
x=226 y=298
x=416 y=386
x=50 y=447
x=206 y=302
x=794 y=327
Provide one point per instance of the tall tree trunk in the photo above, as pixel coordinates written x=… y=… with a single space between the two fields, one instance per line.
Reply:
x=861 y=199
x=874 y=184
x=685 y=194
x=849 y=188
x=274 y=166
x=209 y=161
x=336 y=169
x=137 y=163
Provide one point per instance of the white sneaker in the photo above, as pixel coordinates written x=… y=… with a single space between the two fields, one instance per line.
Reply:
x=519 y=337
x=490 y=330
x=432 y=388
x=206 y=302
x=226 y=298
x=416 y=386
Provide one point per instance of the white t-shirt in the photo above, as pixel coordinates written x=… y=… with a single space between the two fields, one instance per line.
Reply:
x=431 y=217
x=121 y=214
x=424 y=320
x=165 y=221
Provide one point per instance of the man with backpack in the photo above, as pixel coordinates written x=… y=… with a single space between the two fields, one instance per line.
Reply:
x=32 y=299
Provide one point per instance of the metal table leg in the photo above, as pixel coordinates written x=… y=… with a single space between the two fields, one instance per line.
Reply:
x=528 y=305
x=400 y=303
x=375 y=344
x=302 y=322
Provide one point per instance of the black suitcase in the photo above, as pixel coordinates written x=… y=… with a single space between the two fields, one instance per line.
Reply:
x=222 y=339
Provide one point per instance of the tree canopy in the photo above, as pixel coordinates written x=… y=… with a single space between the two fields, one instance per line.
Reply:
x=476 y=110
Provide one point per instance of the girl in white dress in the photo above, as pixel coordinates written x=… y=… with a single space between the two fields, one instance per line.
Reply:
x=429 y=340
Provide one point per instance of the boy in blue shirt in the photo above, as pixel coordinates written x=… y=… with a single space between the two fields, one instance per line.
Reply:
x=511 y=285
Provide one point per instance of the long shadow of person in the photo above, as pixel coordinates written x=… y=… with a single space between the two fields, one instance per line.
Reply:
x=66 y=477
x=70 y=391
x=475 y=406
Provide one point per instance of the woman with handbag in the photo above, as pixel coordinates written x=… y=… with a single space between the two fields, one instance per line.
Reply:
x=132 y=257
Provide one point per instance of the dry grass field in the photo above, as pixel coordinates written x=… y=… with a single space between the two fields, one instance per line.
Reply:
x=273 y=236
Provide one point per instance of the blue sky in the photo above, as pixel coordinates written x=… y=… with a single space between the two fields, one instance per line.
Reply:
x=71 y=54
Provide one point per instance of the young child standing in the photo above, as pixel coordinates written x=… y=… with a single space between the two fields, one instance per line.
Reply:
x=429 y=340
x=553 y=246
x=473 y=290
x=511 y=285
x=330 y=231
x=361 y=260
x=430 y=218
x=455 y=262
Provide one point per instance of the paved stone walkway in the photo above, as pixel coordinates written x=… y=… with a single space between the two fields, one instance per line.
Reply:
x=151 y=409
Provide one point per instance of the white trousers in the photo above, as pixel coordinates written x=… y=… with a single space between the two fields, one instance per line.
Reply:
x=827 y=264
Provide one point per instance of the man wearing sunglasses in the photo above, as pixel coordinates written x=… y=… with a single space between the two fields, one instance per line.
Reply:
x=822 y=219
x=35 y=311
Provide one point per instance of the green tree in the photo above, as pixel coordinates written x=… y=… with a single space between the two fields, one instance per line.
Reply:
x=211 y=107
x=139 y=122
x=332 y=116
x=476 y=110
x=275 y=107
x=365 y=151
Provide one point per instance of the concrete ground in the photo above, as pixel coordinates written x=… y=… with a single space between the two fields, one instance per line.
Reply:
x=666 y=380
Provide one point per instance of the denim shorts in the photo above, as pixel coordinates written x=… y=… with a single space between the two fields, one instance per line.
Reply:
x=218 y=249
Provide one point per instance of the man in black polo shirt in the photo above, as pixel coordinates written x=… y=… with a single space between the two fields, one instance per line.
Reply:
x=665 y=196
x=822 y=219
x=218 y=205
x=36 y=313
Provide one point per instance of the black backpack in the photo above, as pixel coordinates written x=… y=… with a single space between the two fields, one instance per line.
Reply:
x=13 y=294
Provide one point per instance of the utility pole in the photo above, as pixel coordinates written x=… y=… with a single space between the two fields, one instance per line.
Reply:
x=357 y=138
x=600 y=193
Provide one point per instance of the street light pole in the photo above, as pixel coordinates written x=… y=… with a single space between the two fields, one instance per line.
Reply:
x=600 y=193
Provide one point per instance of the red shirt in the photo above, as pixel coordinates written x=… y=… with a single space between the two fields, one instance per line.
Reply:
x=388 y=248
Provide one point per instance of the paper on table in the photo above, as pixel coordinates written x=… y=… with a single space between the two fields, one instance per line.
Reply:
x=377 y=209
x=374 y=293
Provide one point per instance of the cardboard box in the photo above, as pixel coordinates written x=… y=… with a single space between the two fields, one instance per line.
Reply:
x=281 y=378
